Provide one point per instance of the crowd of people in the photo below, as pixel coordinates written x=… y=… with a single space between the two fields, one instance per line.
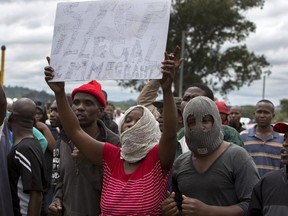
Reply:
x=176 y=156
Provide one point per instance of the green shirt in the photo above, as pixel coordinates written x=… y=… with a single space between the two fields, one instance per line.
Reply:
x=232 y=135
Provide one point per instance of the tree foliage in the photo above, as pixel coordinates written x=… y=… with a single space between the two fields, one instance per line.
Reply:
x=282 y=115
x=248 y=111
x=19 y=92
x=215 y=52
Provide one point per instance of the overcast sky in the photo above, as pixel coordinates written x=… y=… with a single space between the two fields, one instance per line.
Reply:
x=26 y=29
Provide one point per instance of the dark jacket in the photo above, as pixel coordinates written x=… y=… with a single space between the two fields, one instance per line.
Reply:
x=80 y=182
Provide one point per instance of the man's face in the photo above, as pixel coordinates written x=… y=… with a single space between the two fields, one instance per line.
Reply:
x=110 y=111
x=54 y=115
x=224 y=118
x=190 y=93
x=160 y=119
x=38 y=115
x=87 y=108
x=264 y=114
x=235 y=115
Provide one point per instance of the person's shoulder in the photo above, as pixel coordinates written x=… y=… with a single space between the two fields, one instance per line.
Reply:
x=111 y=149
x=31 y=141
x=246 y=132
x=229 y=131
x=278 y=137
x=53 y=130
x=113 y=126
x=237 y=152
x=274 y=173
x=109 y=136
x=226 y=129
x=183 y=158
x=241 y=129
x=272 y=178
x=113 y=138
x=235 y=148
x=31 y=145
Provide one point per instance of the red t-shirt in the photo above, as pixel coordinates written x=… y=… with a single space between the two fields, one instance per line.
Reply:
x=138 y=193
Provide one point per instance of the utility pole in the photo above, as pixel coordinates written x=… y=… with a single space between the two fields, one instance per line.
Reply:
x=3 y=48
x=264 y=85
x=182 y=66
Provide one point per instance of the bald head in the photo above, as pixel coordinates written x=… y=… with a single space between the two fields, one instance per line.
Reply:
x=24 y=110
x=235 y=116
x=235 y=108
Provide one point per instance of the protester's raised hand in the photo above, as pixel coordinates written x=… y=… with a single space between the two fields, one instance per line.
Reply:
x=169 y=68
x=174 y=56
x=57 y=87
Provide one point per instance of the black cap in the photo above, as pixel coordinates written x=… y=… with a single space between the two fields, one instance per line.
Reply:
x=159 y=104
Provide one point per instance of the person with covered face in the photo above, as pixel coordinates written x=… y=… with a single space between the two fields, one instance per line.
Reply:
x=269 y=197
x=135 y=177
x=215 y=177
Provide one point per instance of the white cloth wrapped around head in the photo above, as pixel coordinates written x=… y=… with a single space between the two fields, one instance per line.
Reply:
x=138 y=140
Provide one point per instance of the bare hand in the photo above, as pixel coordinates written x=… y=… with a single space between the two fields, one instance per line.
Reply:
x=57 y=87
x=55 y=208
x=169 y=206
x=76 y=153
x=192 y=206
x=169 y=67
x=173 y=56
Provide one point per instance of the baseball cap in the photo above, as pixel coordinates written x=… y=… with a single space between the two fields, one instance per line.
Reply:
x=222 y=107
x=159 y=104
x=281 y=127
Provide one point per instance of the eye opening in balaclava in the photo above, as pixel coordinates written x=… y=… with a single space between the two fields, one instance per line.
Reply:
x=191 y=122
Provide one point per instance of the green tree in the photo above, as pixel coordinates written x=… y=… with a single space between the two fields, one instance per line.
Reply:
x=248 y=111
x=282 y=114
x=215 y=53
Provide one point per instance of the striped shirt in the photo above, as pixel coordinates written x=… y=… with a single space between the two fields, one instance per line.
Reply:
x=266 y=153
x=138 y=193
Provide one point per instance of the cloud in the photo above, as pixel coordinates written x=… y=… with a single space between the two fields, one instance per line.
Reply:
x=27 y=29
x=270 y=40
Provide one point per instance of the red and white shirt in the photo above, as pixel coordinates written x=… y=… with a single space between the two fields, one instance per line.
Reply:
x=138 y=193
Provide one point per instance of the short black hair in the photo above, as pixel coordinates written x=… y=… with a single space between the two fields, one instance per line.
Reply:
x=208 y=92
x=266 y=101
x=110 y=104
x=105 y=94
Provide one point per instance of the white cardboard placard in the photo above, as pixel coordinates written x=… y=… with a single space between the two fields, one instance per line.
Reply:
x=110 y=39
